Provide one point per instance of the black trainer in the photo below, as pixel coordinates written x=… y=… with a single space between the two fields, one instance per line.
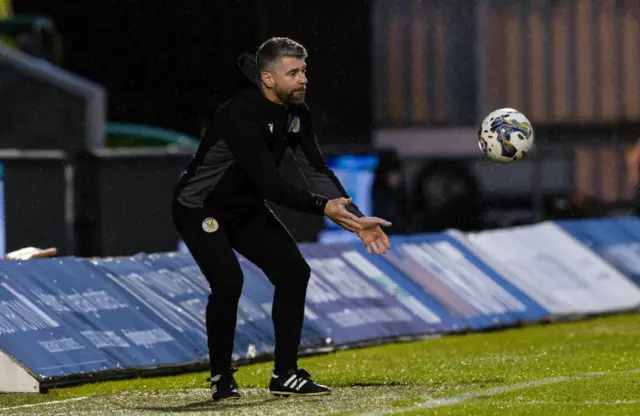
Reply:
x=296 y=383
x=224 y=386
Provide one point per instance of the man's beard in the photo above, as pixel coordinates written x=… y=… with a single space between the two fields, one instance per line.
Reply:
x=293 y=97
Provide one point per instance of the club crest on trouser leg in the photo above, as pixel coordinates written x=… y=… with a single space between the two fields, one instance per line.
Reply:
x=210 y=225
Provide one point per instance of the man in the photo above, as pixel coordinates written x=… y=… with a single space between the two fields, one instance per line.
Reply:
x=219 y=206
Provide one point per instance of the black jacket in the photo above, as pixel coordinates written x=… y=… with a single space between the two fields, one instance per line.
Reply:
x=237 y=163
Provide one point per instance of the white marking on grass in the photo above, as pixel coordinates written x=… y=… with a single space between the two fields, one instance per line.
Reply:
x=494 y=391
x=585 y=403
x=24 y=406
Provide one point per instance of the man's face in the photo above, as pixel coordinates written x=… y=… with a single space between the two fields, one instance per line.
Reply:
x=289 y=80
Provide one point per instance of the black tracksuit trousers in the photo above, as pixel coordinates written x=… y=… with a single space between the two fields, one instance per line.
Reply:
x=263 y=240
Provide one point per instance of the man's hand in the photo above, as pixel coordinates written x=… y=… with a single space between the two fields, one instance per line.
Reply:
x=337 y=212
x=367 y=228
x=374 y=239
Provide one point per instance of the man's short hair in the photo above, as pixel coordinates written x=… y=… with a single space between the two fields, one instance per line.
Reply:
x=276 y=48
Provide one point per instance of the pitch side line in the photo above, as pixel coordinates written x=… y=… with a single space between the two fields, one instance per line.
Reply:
x=494 y=391
x=24 y=406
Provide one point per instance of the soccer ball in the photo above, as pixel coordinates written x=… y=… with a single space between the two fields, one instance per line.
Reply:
x=505 y=136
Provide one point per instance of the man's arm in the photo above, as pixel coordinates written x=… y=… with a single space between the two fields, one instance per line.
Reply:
x=245 y=139
x=314 y=169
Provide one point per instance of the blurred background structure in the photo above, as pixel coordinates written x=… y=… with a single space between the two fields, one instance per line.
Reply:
x=102 y=104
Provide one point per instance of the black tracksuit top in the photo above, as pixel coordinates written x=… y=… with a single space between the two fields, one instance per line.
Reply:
x=236 y=166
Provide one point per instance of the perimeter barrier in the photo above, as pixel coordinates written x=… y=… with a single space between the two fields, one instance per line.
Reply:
x=71 y=320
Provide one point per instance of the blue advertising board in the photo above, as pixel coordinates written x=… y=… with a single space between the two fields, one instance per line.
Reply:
x=461 y=283
x=69 y=316
x=172 y=286
x=554 y=269
x=260 y=290
x=616 y=240
x=61 y=317
x=354 y=302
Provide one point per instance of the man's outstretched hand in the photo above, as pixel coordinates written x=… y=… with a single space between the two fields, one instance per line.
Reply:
x=336 y=210
x=367 y=228
x=374 y=239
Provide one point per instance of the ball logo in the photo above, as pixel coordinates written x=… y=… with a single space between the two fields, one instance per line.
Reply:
x=210 y=225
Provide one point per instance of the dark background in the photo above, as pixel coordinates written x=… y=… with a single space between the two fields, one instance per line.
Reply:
x=162 y=62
